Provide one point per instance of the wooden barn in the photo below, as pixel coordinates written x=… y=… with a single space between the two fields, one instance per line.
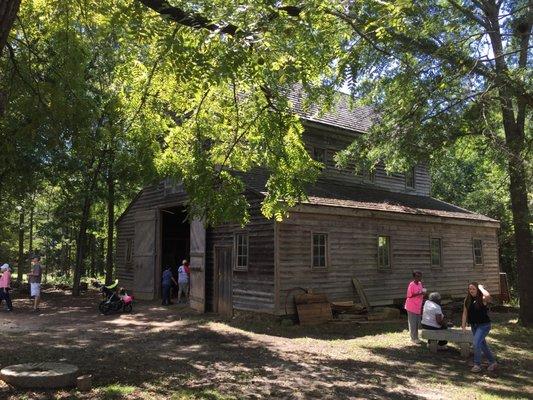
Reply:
x=375 y=227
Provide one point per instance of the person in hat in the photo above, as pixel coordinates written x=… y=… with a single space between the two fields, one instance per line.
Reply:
x=5 y=286
x=34 y=278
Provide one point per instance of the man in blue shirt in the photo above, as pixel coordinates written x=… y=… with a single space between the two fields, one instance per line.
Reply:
x=166 y=283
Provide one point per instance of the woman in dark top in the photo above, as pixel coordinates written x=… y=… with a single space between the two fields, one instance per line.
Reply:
x=475 y=313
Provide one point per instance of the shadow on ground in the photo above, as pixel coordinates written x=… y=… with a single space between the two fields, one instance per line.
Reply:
x=158 y=351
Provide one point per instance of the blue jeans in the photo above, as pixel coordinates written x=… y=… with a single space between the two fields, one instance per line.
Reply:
x=166 y=295
x=480 y=332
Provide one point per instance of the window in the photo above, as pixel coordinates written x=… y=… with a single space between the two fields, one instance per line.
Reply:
x=436 y=252
x=384 y=252
x=478 y=251
x=319 y=154
x=241 y=250
x=410 y=178
x=320 y=248
x=129 y=251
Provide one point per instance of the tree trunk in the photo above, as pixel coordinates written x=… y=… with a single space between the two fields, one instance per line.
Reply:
x=110 y=223
x=521 y=221
x=92 y=249
x=20 y=270
x=515 y=141
x=30 y=247
x=101 y=256
x=80 y=245
x=8 y=12
x=82 y=233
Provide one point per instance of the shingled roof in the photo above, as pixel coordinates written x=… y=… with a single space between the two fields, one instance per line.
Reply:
x=328 y=193
x=343 y=115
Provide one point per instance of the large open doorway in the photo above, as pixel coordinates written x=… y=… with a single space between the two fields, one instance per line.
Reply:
x=175 y=238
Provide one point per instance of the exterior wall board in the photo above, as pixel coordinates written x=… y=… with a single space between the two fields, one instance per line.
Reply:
x=353 y=253
x=253 y=289
x=332 y=142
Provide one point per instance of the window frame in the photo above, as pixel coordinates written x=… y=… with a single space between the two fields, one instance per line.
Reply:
x=431 y=239
x=410 y=172
x=474 y=240
x=323 y=152
x=379 y=266
x=236 y=266
x=128 y=256
x=326 y=251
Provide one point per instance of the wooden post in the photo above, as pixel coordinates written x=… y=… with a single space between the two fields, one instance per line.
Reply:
x=433 y=345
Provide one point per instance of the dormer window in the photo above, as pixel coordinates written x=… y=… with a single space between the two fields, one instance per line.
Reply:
x=319 y=154
x=410 y=178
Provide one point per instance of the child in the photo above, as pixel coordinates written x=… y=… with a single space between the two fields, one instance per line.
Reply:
x=5 y=286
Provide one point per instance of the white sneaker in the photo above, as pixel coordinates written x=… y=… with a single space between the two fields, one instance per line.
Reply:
x=416 y=341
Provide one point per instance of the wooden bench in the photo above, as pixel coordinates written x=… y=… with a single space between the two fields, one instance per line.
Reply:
x=464 y=339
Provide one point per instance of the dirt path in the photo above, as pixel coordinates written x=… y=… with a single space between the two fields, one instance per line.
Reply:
x=160 y=350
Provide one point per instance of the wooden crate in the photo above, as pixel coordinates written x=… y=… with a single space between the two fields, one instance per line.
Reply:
x=315 y=313
x=313 y=308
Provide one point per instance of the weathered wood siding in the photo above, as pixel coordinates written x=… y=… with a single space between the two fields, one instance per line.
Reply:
x=150 y=198
x=333 y=141
x=252 y=289
x=352 y=244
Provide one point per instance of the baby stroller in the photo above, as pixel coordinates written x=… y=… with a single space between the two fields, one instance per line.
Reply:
x=114 y=301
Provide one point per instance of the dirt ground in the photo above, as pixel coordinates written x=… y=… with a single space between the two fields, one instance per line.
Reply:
x=170 y=352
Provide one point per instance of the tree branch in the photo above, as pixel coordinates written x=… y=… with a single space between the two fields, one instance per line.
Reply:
x=198 y=21
x=469 y=14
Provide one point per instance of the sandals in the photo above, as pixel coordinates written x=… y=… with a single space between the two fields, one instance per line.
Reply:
x=492 y=366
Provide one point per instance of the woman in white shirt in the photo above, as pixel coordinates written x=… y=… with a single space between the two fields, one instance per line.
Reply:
x=432 y=316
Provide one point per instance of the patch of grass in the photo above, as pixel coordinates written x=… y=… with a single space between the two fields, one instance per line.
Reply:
x=116 y=391
x=205 y=394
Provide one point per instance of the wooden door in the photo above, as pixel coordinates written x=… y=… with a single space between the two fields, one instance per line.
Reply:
x=197 y=264
x=223 y=281
x=144 y=255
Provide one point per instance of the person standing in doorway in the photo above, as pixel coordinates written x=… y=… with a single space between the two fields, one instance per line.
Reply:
x=34 y=278
x=166 y=283
x=183 y=280
x=5 y=286
x=413 y=305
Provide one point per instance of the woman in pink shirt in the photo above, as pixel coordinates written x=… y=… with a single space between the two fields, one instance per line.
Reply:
x=413 y=305
x=5 y=286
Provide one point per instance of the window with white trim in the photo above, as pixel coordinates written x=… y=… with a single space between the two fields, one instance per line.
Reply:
x=477 y=248
x=384 y=252
x=320 y=249
x=436 y=252
x=241 y=251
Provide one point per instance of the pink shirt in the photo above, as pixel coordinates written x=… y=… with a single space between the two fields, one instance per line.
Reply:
x=415 y=297
x=5 y=279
